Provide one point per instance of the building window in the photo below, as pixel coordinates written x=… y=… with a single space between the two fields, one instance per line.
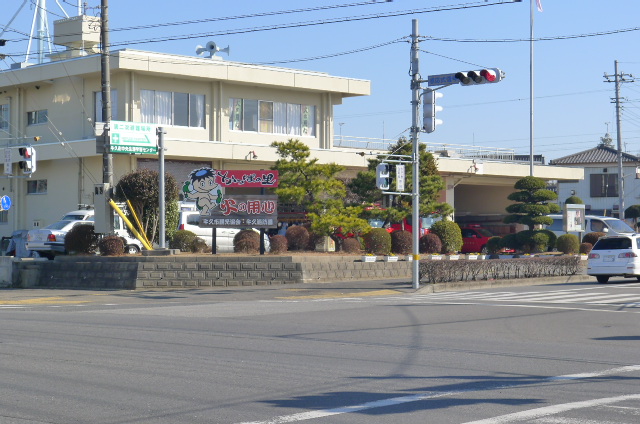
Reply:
x=98 y=104
x=4 y=117
x=604 y=185
x=4 y=217
x=37 y=187
x=37 y=117
x=272 y=117
x=168 y=108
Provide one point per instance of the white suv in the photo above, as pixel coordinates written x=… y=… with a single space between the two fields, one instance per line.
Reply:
x=615 y=256
x=190 y=221
x=593 y=223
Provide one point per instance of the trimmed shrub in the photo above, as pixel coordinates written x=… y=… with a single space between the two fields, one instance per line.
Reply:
x=111 y=246
x=351 y=245
x=533 y=241
x=297 y=237
x=81 y=239
x=200 y=246
x=279 y=244
x=183 y=240
x=592 y=237
x=377 y=241
x=401 y=242
x=585 y=248
x=552 y=239
x=574 y=200
x=450 y=235
x=430 y=243
x=494 y=244
x=510 y=241
x=568 y=244
x=246 y=241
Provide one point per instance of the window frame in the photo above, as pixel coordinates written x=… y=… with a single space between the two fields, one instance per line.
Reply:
x=40 y=187
x=37 y=117
x=190 y=111
x=270 y=117
x=5 y=117
x=603 y=185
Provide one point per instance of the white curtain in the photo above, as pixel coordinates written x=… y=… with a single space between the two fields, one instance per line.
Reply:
x=279 y=118
x=293 y=119
x=147 y=106
x=163 y=108
x=196 y=118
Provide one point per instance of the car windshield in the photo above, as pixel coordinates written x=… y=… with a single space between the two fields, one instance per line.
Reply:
x=619 y=226
x=484 y=232
x=376 y=223
x=58 y=225
x=74 y=217
x=613 y=243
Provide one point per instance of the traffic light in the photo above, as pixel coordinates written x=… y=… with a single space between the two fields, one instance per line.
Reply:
x=28 y=164
x=383 y=176
x=483 y=76
x=429 y=121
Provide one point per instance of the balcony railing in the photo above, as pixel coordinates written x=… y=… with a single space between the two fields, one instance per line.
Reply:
x=380 y=145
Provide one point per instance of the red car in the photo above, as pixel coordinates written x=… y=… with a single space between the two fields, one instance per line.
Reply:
x=475 y=239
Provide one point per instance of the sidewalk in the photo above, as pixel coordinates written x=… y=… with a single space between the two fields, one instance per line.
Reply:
x=253 y=293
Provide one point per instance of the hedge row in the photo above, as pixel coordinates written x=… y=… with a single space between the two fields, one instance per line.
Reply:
x=433 y=272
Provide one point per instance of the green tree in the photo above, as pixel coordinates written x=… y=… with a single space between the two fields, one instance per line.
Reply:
x=141 y=187
x=363 y=186
x=306 y=182
x=574 y=200
x=633 y=211
x=532 y=203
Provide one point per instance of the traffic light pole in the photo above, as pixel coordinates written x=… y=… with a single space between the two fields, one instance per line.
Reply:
x=107 y=157
x=415 y=119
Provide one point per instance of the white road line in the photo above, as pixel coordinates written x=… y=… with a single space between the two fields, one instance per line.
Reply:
x=553 y=409
x=303 y=416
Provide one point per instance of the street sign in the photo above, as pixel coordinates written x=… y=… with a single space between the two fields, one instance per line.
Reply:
x=442 y=79
x=258 y=211
x=5 y=203
x=7 y=160
x=132 y=137
x=400 y=177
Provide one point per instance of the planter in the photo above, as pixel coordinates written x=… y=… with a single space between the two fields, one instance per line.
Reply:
x=367 y=258
x=471 y=257
x=505 y=256
x=390 y=258
x=434 y=257
x=408 y=258
x=452 y=257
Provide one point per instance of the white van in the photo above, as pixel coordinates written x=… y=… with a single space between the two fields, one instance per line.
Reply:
x=594 y=223
x=190 y=221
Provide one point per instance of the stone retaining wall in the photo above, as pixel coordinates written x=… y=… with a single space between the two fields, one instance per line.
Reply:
x=189 y=271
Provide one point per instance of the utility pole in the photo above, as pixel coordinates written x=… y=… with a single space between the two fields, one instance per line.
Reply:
x=415 y=117
x=619 y=78
x=107 y=157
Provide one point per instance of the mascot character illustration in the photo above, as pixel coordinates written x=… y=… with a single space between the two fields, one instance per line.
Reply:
x=202 y=187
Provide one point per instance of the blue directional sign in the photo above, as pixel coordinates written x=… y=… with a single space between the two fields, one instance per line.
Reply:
x=442 y=79
x=5 y=203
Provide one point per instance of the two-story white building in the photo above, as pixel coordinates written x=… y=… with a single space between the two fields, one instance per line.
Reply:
x=215 y=113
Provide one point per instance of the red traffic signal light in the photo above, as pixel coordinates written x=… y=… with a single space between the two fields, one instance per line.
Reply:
x=483 y=76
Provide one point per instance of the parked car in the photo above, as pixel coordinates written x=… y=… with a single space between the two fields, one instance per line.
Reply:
x=602 y=224
x=615 y=256
x=190 y=221
x=49 y=241
x=474 y=239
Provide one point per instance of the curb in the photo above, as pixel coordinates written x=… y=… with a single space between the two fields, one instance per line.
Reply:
x=489 y=284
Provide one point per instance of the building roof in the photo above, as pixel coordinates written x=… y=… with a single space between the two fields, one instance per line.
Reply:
x=598 y=155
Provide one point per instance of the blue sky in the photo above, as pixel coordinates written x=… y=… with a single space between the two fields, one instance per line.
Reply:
x=572 y=101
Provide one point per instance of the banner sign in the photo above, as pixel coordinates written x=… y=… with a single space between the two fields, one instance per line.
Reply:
x=132 y=137
x=260 y=211
x=264 y=179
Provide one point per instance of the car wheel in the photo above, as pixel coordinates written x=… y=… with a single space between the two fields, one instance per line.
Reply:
x=484 y=250
x=638 y=278
x=132 y=249
x=602 y=278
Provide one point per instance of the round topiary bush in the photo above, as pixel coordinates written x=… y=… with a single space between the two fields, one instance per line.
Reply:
x=279 y=244
x=401 y=242
x=494 y=244
x=552 y=239
x=585 y=248
x=592 y=237
x=111 y=246
x=450 y=235
x=377 y=241
x=246 y=241
x=510 y=241
x=183 y=240
x=430 y=243
x=568 y=244
x=533 y=241
x=81 y=239
x=297 y=237
x=351 y=245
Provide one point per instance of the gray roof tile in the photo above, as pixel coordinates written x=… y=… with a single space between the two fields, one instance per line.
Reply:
x=600 y=154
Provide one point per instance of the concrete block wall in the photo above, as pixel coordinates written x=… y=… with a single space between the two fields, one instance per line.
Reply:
x=189 y=271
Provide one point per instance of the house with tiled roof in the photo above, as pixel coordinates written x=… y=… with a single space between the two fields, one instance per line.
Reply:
x=600 y=188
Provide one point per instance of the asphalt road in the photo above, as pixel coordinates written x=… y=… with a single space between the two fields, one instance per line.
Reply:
x=352 y=354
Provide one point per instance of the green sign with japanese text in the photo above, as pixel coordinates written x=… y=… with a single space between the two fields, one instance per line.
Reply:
x=133 y=138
